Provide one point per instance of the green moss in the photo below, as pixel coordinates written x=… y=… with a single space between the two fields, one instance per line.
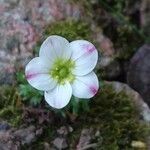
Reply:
x=123 y=29
x=113 y=114
x=10 y=105
x=117 y=23
x=7 y=96
x=127 y=41
x=70 y=29
x=116 y=117
x=11 y=115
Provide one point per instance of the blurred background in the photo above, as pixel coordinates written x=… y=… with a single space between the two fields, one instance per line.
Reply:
x=118 y=117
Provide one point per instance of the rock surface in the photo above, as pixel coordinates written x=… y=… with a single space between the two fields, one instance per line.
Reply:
x=139 y=72
x=85 y=138
x=60 y=143
x=4 y=126
x=108 y=66
x=21 y=25
x=145 y=16
x=13 y=139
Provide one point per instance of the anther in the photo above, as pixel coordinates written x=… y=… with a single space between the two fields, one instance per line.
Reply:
x=57 y=77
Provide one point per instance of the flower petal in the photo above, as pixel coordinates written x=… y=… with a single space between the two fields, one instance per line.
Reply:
x=54 y=46
x=85 y=86
x=38 y=65
x=85 y=56
x=37 y=75
x=60 y=96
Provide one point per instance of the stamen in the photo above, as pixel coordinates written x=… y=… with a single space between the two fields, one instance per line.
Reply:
x=62 y=71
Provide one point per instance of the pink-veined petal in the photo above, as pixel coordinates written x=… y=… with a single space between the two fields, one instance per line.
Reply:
x=85 y=56
x=85 y=86
x=60 y=96
x=37 y=74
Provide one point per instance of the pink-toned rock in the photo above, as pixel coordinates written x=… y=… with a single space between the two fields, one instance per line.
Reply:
x=106 y=46
x=12 y=139
x=145 y=12
x=85 y=138
x=62 y=130
x=60 y=143
x=21 y=25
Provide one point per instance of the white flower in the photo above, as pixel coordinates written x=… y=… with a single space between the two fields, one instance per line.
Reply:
x=64 y=69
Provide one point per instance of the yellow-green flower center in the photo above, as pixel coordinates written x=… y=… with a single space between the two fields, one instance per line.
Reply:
x=62 y=71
